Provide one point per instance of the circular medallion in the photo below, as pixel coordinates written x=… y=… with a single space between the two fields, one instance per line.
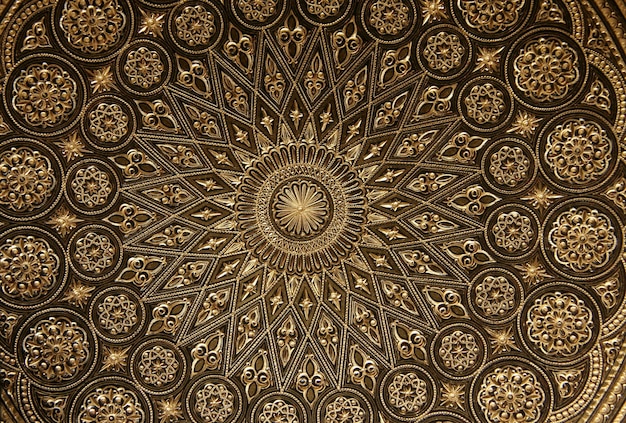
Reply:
x=546 y=69
x=300 y=208
x=117 y=314
x=108 y=123
x=92 y=186
x=196 y=26
x=496 y=296
x=144 y=67
x=389 y=21
x=577 y=151
x=582 y=239
x=491 y=20
x=444 y=52
x=558 y=323
x=458 y=351
x=56 y=349
x=510 y=165
x=44 y=94
x=92 y=30
x=95 y=252
x=30 y=179
x=214 y=399
x=512 y=231
x=159 y=367
x=32 y=267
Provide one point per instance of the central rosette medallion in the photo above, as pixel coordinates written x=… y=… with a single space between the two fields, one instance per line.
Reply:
x=301 y=208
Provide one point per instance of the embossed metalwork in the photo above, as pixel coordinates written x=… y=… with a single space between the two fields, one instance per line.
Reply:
x=305 y=211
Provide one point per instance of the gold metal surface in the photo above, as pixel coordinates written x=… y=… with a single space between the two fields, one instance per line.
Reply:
x=330 y=211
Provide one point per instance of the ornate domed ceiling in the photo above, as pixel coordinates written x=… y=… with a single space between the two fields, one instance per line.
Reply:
x=312 y=211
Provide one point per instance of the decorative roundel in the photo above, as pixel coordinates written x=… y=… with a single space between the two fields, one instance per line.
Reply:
x=300 y=208
x=485 y=104
x=44 y=94
x=578 y=151
x=509 y=165
x=158 y=366
x=511 y=390
x=92 y=30
x=143 y=68
x=32 y=267
x=458 y=351
x=546 y=69
x=495 y=296
x=195 y=26
x=407 y=392
x=282 y=407
x=389 y=21
x=56 y=349
x=512 y=231
x=214 y=398
x=345 y=402
x=491 y=21
x=117 y=314
x=31 y=178
x=258 y=14
x=559 y=323
x=444 y=52
x=582 y=239
x=95 y=252
x=92 y=186
x=324 y=13
x=108 y=397
x=108 y=123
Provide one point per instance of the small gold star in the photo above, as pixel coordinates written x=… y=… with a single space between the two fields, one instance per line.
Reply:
x=101 y=80
x=326 y=118
x=63 y=221
x=276 y=301
x=267 y=121
x=488 y=59
x=170 y=409
x=72 y=147
x=433 y=10
x=296 y=114
x=114 y=358
x=152 y=23
x=380 y=261
x=335 y=298
x=525 y=124
x=540 y=197
x=502 y=340
x=78 y=294
x=533 y=272
x=452 y=395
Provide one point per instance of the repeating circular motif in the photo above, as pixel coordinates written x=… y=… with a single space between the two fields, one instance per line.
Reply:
x=582 y=239
x=30 y=179
x=258 y=15
x=510 y=165
x=92 y=30
x=300 y=208
x=324 y=12
x=56 y=349
x=485 y=104
x=196 y=26
x=444 y=52
x=546 y=69
x=143 y=67
x=282 y=407
x=92 y=186
x=32 y=267
x=559 y=323
x=577 y=151
x=111 y=397
x=117 y=314
x=512 y=231
x=159 y=366
x=389 y=21
x=496 y=296
x=214 y=399
x=511 y=390
x=108 y=123
x=407 y=392
x=336 y=406
x=458 y=351
x=95 y=252
x=487 y=20
x=44 y=94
